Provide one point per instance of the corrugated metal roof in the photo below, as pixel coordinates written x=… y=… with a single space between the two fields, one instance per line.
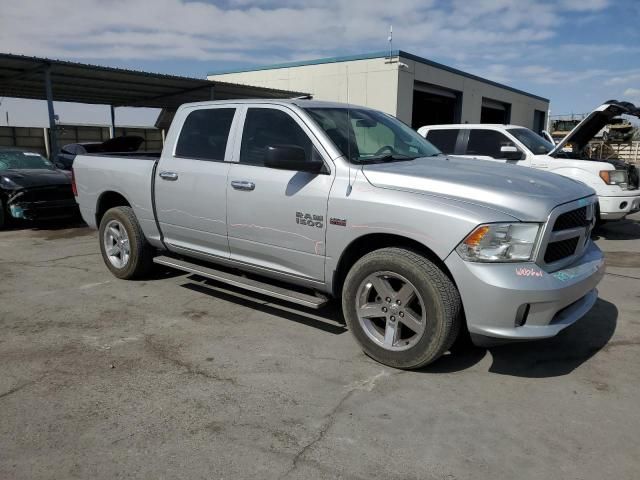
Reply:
x=368 y=56
x=24 y=77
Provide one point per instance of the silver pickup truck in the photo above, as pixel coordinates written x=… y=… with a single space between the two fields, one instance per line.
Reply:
x=304 y=200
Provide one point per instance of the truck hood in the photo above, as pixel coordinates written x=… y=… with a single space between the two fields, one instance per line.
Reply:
x=36 y=177
x=523 y=193
x=593 y=123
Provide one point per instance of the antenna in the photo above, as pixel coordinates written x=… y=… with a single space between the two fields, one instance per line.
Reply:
x=390 y=40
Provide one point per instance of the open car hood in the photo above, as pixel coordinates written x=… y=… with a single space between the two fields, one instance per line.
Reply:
x=593 y=123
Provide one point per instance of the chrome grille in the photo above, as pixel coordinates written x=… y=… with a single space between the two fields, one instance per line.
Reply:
x=566 y=234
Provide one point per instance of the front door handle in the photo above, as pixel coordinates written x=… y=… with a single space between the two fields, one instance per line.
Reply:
x=243 y=185
x=170 y=176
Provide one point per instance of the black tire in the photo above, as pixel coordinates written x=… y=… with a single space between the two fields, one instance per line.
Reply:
x=140 y=252
x=3 y=215
x=441 y=298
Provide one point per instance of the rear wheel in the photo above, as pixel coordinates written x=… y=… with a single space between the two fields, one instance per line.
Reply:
x=402 y=309
x=124 y=248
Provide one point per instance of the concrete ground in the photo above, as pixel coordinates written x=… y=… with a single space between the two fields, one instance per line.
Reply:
x=174 y=378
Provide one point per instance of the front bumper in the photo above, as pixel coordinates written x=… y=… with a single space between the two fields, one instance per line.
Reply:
x=619 y=206
x=495 y=295
x=43 y=210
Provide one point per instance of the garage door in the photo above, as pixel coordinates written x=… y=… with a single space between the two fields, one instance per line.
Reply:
x=434 y=105
x=494 y=111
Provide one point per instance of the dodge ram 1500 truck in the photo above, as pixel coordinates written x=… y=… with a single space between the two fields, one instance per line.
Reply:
x=304 y=200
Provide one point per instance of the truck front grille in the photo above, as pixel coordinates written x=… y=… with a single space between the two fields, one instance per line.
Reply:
x=572 y=219
x=567 y=234
x=559 y=250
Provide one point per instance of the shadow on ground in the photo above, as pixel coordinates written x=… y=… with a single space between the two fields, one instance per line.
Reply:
x=328 y=318
x=627 y=229
x=553 y=357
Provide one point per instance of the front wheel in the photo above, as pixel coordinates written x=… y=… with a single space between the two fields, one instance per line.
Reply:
x=401 y=308
x=124 y=248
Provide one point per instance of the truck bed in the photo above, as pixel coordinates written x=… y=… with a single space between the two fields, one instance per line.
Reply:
x=129 y=175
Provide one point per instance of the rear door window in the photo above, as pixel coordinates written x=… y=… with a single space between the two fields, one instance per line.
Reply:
x=205 y=134
x=487 y=143
x=444 y=139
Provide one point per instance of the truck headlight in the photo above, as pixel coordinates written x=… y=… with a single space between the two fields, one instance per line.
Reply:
x=500 y=242
x=615 y=177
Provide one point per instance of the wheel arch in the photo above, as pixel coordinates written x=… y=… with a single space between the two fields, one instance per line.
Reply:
x=375 y=241
x=108 y=200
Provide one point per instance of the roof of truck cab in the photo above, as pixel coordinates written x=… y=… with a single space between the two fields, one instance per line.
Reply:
x=302 y=103
x=471 y=125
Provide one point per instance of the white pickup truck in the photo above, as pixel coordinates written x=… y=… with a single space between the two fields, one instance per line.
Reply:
x=615 y=183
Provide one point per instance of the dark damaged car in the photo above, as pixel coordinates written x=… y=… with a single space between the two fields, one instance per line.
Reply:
x=32 y=188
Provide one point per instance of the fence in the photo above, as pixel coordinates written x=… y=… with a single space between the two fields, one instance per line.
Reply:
x=36 y=139
x=628 y=151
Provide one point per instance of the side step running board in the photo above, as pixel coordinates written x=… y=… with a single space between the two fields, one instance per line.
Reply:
x=311 y=301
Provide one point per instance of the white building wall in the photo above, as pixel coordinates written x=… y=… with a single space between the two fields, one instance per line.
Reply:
x=372 y=82
x=376 y=83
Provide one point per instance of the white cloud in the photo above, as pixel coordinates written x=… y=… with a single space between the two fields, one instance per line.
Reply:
x=625 y=78
x=504 y=40
x=293 y=29
x=584 y=5
x=632 y=94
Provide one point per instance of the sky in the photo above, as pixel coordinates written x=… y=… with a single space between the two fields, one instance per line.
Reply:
x=577 y=53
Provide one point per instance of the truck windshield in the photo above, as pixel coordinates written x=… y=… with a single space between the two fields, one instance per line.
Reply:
x=16 y=160
x=531 y=140
x=369 y=136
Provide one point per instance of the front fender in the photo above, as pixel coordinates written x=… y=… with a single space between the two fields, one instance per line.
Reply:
x=436 y=223
x=588 y=177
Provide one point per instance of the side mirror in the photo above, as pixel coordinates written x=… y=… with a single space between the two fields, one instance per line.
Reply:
x=511 y=153
x=60 y=165
x=290 y=157
x=547 y=136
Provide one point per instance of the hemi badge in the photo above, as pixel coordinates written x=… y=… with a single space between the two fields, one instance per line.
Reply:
x=341 y=222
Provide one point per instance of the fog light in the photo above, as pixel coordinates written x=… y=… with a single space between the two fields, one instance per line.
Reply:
x=522 y=314
x=16 y=211
x=623 y=205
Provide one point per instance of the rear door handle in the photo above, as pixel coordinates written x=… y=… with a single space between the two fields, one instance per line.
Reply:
x=243 y=185
x=170 y=176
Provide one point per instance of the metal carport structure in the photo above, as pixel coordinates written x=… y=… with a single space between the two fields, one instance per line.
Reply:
x=46 y=79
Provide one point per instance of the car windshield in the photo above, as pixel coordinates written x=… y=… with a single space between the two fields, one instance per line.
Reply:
x=369 y=136
x=16 y=160
x=531 y=140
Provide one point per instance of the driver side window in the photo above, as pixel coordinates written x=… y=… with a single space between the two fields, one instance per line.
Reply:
x=265 y=127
